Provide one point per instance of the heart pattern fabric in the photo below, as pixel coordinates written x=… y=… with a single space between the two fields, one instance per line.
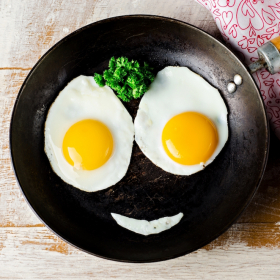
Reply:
x=246 y=25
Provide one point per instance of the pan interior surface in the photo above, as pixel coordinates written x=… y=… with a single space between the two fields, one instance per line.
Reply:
x=211 y=200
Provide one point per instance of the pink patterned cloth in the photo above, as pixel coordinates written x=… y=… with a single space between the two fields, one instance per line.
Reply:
x=246 y=25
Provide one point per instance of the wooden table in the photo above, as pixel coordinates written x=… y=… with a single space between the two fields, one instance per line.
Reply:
x=250 y=249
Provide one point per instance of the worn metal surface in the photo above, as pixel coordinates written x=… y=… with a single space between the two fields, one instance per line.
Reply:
x=257 y=65
x=269 y=57
x=270 y=54
x=211 y=200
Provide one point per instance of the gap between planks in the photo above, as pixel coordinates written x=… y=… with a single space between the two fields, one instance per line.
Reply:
x=15 y=68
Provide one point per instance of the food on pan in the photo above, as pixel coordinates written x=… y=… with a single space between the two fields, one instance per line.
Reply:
x=181 y=124
x=127 y=78
x=146 y=228
x=88 y=136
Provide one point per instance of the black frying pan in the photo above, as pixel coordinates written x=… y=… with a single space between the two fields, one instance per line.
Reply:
x=211 y=200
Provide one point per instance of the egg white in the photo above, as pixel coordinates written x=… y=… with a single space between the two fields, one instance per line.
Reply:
x=83 y=99
x=145 y=227
x=176 y=90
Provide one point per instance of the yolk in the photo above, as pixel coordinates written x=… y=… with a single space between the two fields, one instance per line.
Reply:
x=87 y=144
x=189 y=138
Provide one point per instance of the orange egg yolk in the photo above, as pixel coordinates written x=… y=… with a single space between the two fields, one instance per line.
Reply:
x=190 y=138
x=87 y=144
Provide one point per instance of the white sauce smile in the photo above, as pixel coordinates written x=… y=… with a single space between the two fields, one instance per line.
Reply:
x=146 y=228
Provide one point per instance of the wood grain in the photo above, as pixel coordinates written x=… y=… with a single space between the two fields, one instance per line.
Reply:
x=13 y=209
x=35 y=253
x=29 y=28
x=250 y=249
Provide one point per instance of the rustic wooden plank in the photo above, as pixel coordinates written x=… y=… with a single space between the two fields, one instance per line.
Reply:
x=13 y=209
x=29 y=28
x=35 y=253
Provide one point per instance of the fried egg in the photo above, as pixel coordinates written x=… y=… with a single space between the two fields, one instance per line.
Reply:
x=181 y=124
x=88 y=136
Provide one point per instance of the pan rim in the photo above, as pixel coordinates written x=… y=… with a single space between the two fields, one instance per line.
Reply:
x=141 y=16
